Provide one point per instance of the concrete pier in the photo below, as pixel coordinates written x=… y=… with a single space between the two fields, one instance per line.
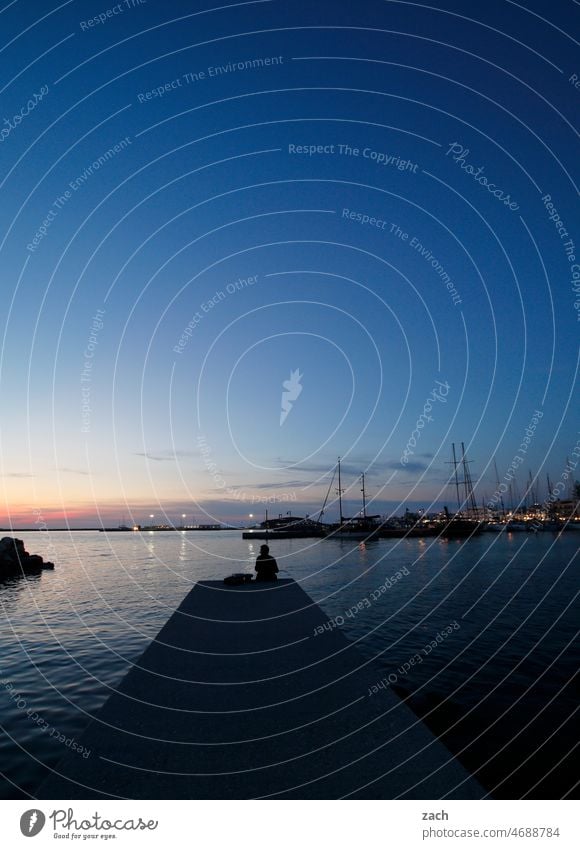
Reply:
x=238 y=698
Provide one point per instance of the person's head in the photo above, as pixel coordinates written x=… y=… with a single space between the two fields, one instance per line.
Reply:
x=264 y=549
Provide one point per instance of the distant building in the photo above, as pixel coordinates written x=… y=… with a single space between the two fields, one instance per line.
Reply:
x=568 y=508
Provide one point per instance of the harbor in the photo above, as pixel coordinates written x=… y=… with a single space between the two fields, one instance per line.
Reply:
x=517 y=512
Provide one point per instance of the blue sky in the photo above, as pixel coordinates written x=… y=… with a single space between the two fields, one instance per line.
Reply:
x=318 y=203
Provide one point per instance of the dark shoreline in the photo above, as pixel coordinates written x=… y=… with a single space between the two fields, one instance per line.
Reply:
x=112 y=530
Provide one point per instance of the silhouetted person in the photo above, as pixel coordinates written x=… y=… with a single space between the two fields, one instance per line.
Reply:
x=266 y=566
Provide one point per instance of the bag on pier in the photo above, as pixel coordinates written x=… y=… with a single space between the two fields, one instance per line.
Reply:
x=238 y=578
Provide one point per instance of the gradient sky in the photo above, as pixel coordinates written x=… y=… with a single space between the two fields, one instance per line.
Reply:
x=203 y=187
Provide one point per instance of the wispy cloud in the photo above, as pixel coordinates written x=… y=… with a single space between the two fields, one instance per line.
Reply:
x=277 y=484
x=18 y=475
x=169 y=455
x=413 y=466
x=68 y=471
x=352 y=466
x=315 y=468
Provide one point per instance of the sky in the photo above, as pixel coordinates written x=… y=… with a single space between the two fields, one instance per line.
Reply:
x=239 y=241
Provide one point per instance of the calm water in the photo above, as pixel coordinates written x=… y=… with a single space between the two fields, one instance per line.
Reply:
x=502 y=689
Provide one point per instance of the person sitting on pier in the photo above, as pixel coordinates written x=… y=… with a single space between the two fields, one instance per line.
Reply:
x=266 y=566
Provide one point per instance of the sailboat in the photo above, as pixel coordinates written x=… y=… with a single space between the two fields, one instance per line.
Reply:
x=361 y=527
x=460 y=526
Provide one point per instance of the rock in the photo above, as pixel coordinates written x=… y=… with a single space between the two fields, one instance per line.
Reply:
x=14 y=559
x=12 y=549
x=35 y=561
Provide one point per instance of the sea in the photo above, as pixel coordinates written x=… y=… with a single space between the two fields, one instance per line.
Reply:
x=478 y=636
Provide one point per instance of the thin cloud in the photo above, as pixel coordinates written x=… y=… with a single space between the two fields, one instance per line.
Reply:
x=165 y=456
x=275 y=485
x=352 y=467
x=412 y=466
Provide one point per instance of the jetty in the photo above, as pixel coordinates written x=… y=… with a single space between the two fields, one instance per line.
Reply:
x=247 y=693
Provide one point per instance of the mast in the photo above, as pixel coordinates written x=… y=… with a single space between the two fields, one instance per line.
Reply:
x=456 y=478
x=571 y=483
x=364 y=500
x=321 y=514
x=516 y=493
x=549 y=502
x=469 y=497
x=497 y=489
x=531 y=492
x=340 y=491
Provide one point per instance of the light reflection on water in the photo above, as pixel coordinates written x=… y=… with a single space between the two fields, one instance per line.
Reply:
x=67 y=637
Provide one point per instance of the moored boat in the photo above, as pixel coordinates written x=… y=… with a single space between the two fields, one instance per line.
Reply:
x=459 y=527
x=359 y=528
x=362 y=529
x=287 y=527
